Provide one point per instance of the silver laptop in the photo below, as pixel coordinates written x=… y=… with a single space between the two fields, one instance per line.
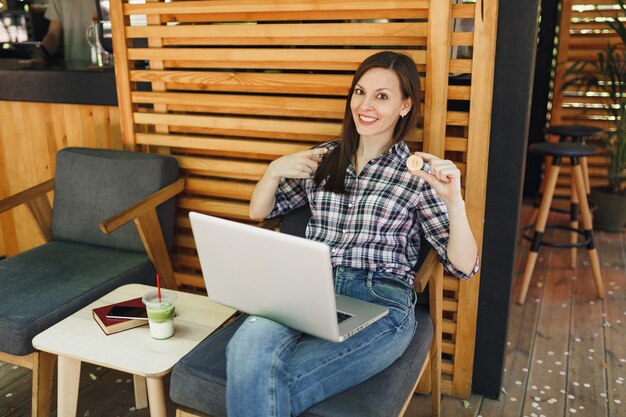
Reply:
x=281 y=277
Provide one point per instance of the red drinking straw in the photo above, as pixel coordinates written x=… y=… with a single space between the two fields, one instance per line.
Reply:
x=158 y=286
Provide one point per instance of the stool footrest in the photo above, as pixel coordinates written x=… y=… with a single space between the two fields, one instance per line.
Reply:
x=585 y=242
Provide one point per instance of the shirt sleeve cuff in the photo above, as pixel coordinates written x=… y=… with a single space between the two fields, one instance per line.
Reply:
x=460 y=274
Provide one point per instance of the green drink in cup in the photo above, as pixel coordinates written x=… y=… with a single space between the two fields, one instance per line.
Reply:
x=160 y=313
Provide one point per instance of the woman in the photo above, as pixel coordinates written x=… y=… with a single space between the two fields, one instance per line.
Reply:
x=370 y=209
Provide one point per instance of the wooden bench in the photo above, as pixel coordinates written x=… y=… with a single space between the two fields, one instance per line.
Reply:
x=235 y=84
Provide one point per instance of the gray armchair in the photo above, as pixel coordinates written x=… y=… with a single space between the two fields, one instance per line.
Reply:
x=90 y=248
x=198 y=382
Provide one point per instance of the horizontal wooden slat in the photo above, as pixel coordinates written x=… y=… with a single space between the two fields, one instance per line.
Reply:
x=223 y=146
x=186 y=260
x=457 y=118
x=182 y=221
x=318 y=14
x=592 y=2
x=299 y=137
x=246 y=104
x=450 y=305
x=184 y=241
x=460 y=66
x=288 y=34
x=593 y=43
x=448 y=326
x=267 y=58
x=321 y=84
x=459 y=92
x=219 y=188
x=462 y=38
x=466 y=11
x=447 y=347
x=584 y=100
x=593 y=14
x=582 y=55
x=189 y=280
x=447 y=367
x=226 y=209
x=261 y=8
x=284 y=129
x=223 y=168
x=251 y=82
x=580 y=28
x=450 y=283
x=456 y=144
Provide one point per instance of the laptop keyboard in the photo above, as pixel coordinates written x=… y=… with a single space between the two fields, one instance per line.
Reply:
x=341 y=316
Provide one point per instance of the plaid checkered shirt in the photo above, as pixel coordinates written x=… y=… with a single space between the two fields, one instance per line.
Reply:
x=376 y=225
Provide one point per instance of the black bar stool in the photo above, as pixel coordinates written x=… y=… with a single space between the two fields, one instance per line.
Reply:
x=557 y=151
x=572 y=134
x=579 y=134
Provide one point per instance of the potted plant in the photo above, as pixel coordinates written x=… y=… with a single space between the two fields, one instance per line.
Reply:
x=607 y=75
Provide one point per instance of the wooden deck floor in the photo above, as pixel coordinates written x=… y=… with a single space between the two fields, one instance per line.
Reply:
x=566 y=351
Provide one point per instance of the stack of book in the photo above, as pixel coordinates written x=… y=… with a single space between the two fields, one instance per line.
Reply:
x=117 y=317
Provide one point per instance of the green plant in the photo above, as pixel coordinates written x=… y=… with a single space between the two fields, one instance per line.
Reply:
x=607 y=75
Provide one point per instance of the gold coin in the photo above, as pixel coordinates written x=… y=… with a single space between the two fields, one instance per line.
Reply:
x=415 y=163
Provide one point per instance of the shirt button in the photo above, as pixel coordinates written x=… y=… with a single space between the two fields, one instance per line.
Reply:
x=345 y=230
x=334 y=250
x=350 y=204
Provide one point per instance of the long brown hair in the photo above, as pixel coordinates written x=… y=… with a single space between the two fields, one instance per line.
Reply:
x=333 y=166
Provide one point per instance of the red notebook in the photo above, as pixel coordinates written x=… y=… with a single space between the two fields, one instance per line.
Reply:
x=109 y=325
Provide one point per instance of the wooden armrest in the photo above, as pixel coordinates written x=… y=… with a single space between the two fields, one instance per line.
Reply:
x=37 y=202
x=145 y=216
x=113 y=223
x=26 y=195
x=423 y=275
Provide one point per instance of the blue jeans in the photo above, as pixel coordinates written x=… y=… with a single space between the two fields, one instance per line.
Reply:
x=274 y=371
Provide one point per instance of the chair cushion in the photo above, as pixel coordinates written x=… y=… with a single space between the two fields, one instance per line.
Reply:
x=44 y=285
x=92 y=185
x=198 y=380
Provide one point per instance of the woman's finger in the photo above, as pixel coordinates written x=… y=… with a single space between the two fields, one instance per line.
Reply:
x=429 y=178
x=427 y=156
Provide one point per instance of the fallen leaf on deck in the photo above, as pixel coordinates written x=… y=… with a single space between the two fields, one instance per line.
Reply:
x=603 y=365
x=466 y=404
x=93 y=378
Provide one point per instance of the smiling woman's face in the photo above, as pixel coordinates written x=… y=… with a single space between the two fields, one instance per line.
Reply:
x=377 y=104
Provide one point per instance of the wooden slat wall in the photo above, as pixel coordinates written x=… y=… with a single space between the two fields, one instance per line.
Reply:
x=31 y=134
x=582 y=35
x=236 y=84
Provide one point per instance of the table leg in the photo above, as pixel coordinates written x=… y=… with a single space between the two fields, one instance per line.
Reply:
x=141 y=394
x=156 y=397
x=67 y=389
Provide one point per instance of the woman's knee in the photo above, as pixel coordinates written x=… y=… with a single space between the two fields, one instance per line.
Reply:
x=258 y=339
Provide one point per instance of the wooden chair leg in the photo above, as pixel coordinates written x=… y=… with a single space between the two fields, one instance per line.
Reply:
x=573 y=224
x=539 y=197
x=542 y=219
x=436 y=312
x=424 y=385
x=43 y=377
x=588 y=226
x=585 y=168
